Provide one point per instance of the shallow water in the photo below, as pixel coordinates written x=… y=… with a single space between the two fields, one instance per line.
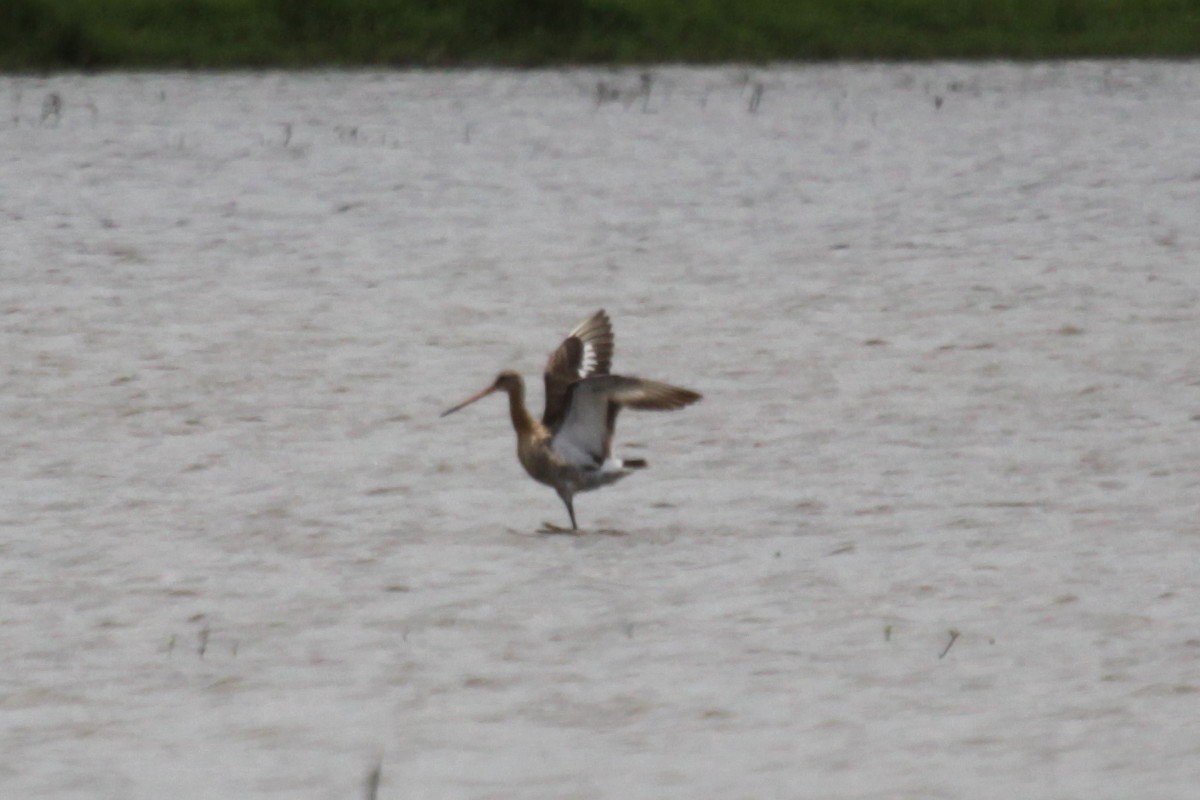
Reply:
x=944 y=318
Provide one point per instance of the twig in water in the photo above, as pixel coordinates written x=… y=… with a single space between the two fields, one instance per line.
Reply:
x=372 y=782
x=953 y=639
x=52 y=107
x=606 y=93
x=756 y=96
x=203 y=641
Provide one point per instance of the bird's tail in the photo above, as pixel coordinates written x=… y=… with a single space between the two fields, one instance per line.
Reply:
x=634 y=463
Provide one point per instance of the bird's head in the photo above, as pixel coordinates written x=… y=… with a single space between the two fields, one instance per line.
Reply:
x=506 y=381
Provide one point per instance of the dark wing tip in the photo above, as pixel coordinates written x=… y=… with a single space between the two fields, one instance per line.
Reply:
x=680 y=398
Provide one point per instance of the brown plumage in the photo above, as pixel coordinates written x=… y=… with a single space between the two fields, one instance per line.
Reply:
x=571 y=447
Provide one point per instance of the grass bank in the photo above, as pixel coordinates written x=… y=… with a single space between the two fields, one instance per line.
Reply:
x=90 y=34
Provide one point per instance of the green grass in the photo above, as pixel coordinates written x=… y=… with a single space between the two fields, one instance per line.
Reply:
x=87 y=34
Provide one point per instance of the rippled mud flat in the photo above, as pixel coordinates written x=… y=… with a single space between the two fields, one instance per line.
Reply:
x=931 y=533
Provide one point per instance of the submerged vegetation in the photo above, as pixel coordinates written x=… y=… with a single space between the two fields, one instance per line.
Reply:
x=88 y=34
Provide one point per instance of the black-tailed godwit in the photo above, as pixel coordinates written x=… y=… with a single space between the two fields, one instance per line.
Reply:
x=571 y=447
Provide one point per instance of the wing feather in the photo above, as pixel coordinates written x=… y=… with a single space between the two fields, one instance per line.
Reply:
x=647 y=395
x=585 y=436
x=587 y=351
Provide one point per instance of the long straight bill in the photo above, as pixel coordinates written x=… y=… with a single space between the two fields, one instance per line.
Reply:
x=469 y=400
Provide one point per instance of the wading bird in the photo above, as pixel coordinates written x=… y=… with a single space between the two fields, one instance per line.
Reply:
x=571 y=448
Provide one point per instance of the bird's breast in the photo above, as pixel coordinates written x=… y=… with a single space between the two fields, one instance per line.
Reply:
x=538 y=460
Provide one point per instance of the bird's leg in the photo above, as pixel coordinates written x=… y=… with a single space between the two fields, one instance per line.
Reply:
x=568 y=502
x=550 y=527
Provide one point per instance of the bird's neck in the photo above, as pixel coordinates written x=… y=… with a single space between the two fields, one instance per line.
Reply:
x=522 y=422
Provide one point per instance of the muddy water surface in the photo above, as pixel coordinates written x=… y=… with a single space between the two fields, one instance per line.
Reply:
x=944 y=318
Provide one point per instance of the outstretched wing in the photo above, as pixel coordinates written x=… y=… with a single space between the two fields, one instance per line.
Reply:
x=585 y=436
x=586 y=351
